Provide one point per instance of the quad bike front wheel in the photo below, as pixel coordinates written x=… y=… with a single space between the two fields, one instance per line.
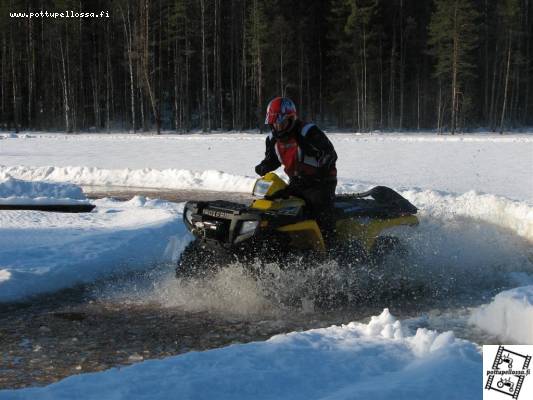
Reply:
x=199 y=261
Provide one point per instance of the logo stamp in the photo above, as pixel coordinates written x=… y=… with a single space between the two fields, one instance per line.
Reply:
x=507 y=372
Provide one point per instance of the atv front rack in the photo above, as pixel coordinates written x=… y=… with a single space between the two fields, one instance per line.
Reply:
x=221 y=222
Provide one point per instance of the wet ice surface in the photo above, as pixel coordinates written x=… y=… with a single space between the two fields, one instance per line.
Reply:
x=75 y=331
x=121 y=193
x=150 y=315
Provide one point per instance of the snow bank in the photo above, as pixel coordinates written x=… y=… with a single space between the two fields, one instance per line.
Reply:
x=509 y=316
x=146 y=178
x=16 y=191
x=514 y=215
x=511 y=214
x=377 y=360
x=42 y=252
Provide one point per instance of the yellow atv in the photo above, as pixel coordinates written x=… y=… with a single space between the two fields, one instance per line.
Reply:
x=270 y=230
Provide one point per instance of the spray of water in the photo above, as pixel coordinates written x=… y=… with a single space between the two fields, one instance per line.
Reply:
x=440 y=261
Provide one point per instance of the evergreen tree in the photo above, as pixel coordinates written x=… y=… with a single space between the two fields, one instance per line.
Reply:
x=359 y=29
x=340 y=83
x=212 y=64
x=258 y=35
x=453 y=37
x=508 y=11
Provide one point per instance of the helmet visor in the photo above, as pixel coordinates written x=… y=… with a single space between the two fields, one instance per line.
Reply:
x=281 y=126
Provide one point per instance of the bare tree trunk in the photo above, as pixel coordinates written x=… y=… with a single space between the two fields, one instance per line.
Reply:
x=402 y=64
x=73 y=93
x=418 y=101
x=301 y=72
x=244 y=76
x=365 y=98
x=219 y=64
x=232 y=69
x=215 y=67
x=380 y=83
x=454 y=73
x=232 y=78
x=357 y=123
x=187 y=75
x=310 y=105
x=439 y=109
x=31 y=71
x=320 y=104
x=493 y=90
x=141 y=104
x=207 y=79
x=146 y=64
x=54 y=95
x=129 y=50
x=74 y=117
x=281 y=61
x=514 y=93
x=177 y=94
x=3 y=74
x=506 y=83
x=260 y=88
x=392 y=78
x=96 y=106
x=527 y=63
x=14 y=86
x=64 y=85
x=486 y=77
x=361 y=92
x=109 y=81
x=204 y=68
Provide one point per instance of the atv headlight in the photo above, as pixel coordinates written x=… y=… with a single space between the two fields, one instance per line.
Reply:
x=261 y=188
x=248 y=226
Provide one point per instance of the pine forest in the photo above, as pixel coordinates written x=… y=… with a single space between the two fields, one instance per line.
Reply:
x=448 y=66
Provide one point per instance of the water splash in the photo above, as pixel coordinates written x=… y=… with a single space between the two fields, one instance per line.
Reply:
x=442 y=263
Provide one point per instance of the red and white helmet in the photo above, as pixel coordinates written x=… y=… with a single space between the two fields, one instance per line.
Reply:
x=279 y=109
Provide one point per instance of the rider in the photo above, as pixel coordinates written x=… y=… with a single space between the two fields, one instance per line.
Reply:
x=307 y=156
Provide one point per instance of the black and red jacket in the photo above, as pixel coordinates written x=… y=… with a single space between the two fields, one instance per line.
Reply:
x=306 y=153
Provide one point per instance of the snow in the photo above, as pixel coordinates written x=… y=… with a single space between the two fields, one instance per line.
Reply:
x=42 y=252
x=474 y=192
x=516 y=216
x=509 y=316
x=16 y=191
x=140 y=178
x=377 y=360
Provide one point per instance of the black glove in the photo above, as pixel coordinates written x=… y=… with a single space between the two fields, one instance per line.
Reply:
x=260 y=170
x=280 y=194
x=303 y=181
